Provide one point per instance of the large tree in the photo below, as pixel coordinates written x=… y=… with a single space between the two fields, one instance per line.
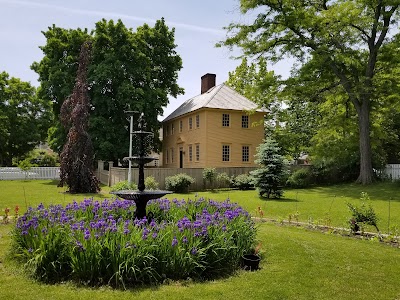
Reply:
x=290 y=119
x=333 y=121
x=129 y=70
x=346 y=36
x=24 y=118
x=255 y=82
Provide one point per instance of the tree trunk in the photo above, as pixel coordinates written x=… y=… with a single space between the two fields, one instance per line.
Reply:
x=366 y=172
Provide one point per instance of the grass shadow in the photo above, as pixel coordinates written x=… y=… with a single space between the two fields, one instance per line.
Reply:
x=282 y=200
x=52 y=182
x=379 y=190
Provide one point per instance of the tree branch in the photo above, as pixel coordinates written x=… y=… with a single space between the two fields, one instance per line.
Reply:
x=367 y=37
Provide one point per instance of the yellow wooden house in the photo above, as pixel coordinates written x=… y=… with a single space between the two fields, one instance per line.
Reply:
x=218 y=128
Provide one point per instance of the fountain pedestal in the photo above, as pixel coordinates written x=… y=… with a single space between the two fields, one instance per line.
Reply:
x=141 y=196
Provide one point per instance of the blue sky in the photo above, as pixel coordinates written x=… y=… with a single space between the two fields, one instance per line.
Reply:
x=198 y=26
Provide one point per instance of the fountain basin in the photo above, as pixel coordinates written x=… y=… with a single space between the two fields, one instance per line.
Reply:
x=141 y=195
x=141 y=198
x=140 y=160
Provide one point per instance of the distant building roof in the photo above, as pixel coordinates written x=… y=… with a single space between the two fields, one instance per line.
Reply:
x=220 y=96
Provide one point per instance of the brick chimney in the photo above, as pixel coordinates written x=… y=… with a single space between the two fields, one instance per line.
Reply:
x=207 y=82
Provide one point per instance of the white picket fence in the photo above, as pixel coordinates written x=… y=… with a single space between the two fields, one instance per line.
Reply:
x=33 y=173
x=392 y=171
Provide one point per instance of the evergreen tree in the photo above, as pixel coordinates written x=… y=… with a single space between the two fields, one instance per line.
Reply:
x=77 y=155
x=269 y=177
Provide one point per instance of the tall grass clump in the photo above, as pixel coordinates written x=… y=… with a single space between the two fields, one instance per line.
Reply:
x=98 y=243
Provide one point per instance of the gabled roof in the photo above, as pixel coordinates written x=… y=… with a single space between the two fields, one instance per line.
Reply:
x=220 y=96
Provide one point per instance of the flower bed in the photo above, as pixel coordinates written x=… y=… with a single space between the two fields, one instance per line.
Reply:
x=100 y=243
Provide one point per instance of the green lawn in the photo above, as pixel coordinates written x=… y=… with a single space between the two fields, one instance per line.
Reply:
x=321 y=205
x=297 y=263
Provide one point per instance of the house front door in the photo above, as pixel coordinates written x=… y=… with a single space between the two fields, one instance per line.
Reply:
x=181 y=157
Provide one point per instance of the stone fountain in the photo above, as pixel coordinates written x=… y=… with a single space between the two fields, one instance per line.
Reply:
x=140 y=196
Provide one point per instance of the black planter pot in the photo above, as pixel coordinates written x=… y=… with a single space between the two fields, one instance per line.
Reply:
x=251 y=262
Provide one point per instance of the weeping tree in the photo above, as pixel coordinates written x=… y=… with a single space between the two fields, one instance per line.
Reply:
x=77 y=154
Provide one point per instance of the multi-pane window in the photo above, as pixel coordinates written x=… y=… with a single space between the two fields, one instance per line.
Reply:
x=167 y=157
x=190 y=153
x=190 y=123
x=197 y=121
x=166 y=130
x=172 y=128
x=245 y=153
x=180 y=125
x=245 y=121
x=225 y=120
x=172 y=155
x=226 y=151
x=197 y=152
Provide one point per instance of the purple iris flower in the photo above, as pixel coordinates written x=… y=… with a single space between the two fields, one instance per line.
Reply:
x=86 y=234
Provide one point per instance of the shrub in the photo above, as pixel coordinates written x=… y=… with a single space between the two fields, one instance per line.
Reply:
x=42 y=158
x=300 y=178
x=209 y=175
x=198 y=239
x=178 y=183
x=25 y=165
x=223 y=180
x=123 y=185
x=330 y=171
x=151 y=183
x=48 y=160
x=364 y=214
x=243 y=182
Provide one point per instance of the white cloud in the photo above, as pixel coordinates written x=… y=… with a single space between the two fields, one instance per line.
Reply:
x=104 y=14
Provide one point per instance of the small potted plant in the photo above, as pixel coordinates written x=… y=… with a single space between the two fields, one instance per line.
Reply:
x=251 y=261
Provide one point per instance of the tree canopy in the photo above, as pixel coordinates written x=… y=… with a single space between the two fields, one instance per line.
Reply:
x=24 y=118
x=343 y=38
x=129 y=70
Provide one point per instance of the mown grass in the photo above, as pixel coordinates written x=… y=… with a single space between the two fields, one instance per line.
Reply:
x=27 y=193
x=297 y=263
x=320 y=205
